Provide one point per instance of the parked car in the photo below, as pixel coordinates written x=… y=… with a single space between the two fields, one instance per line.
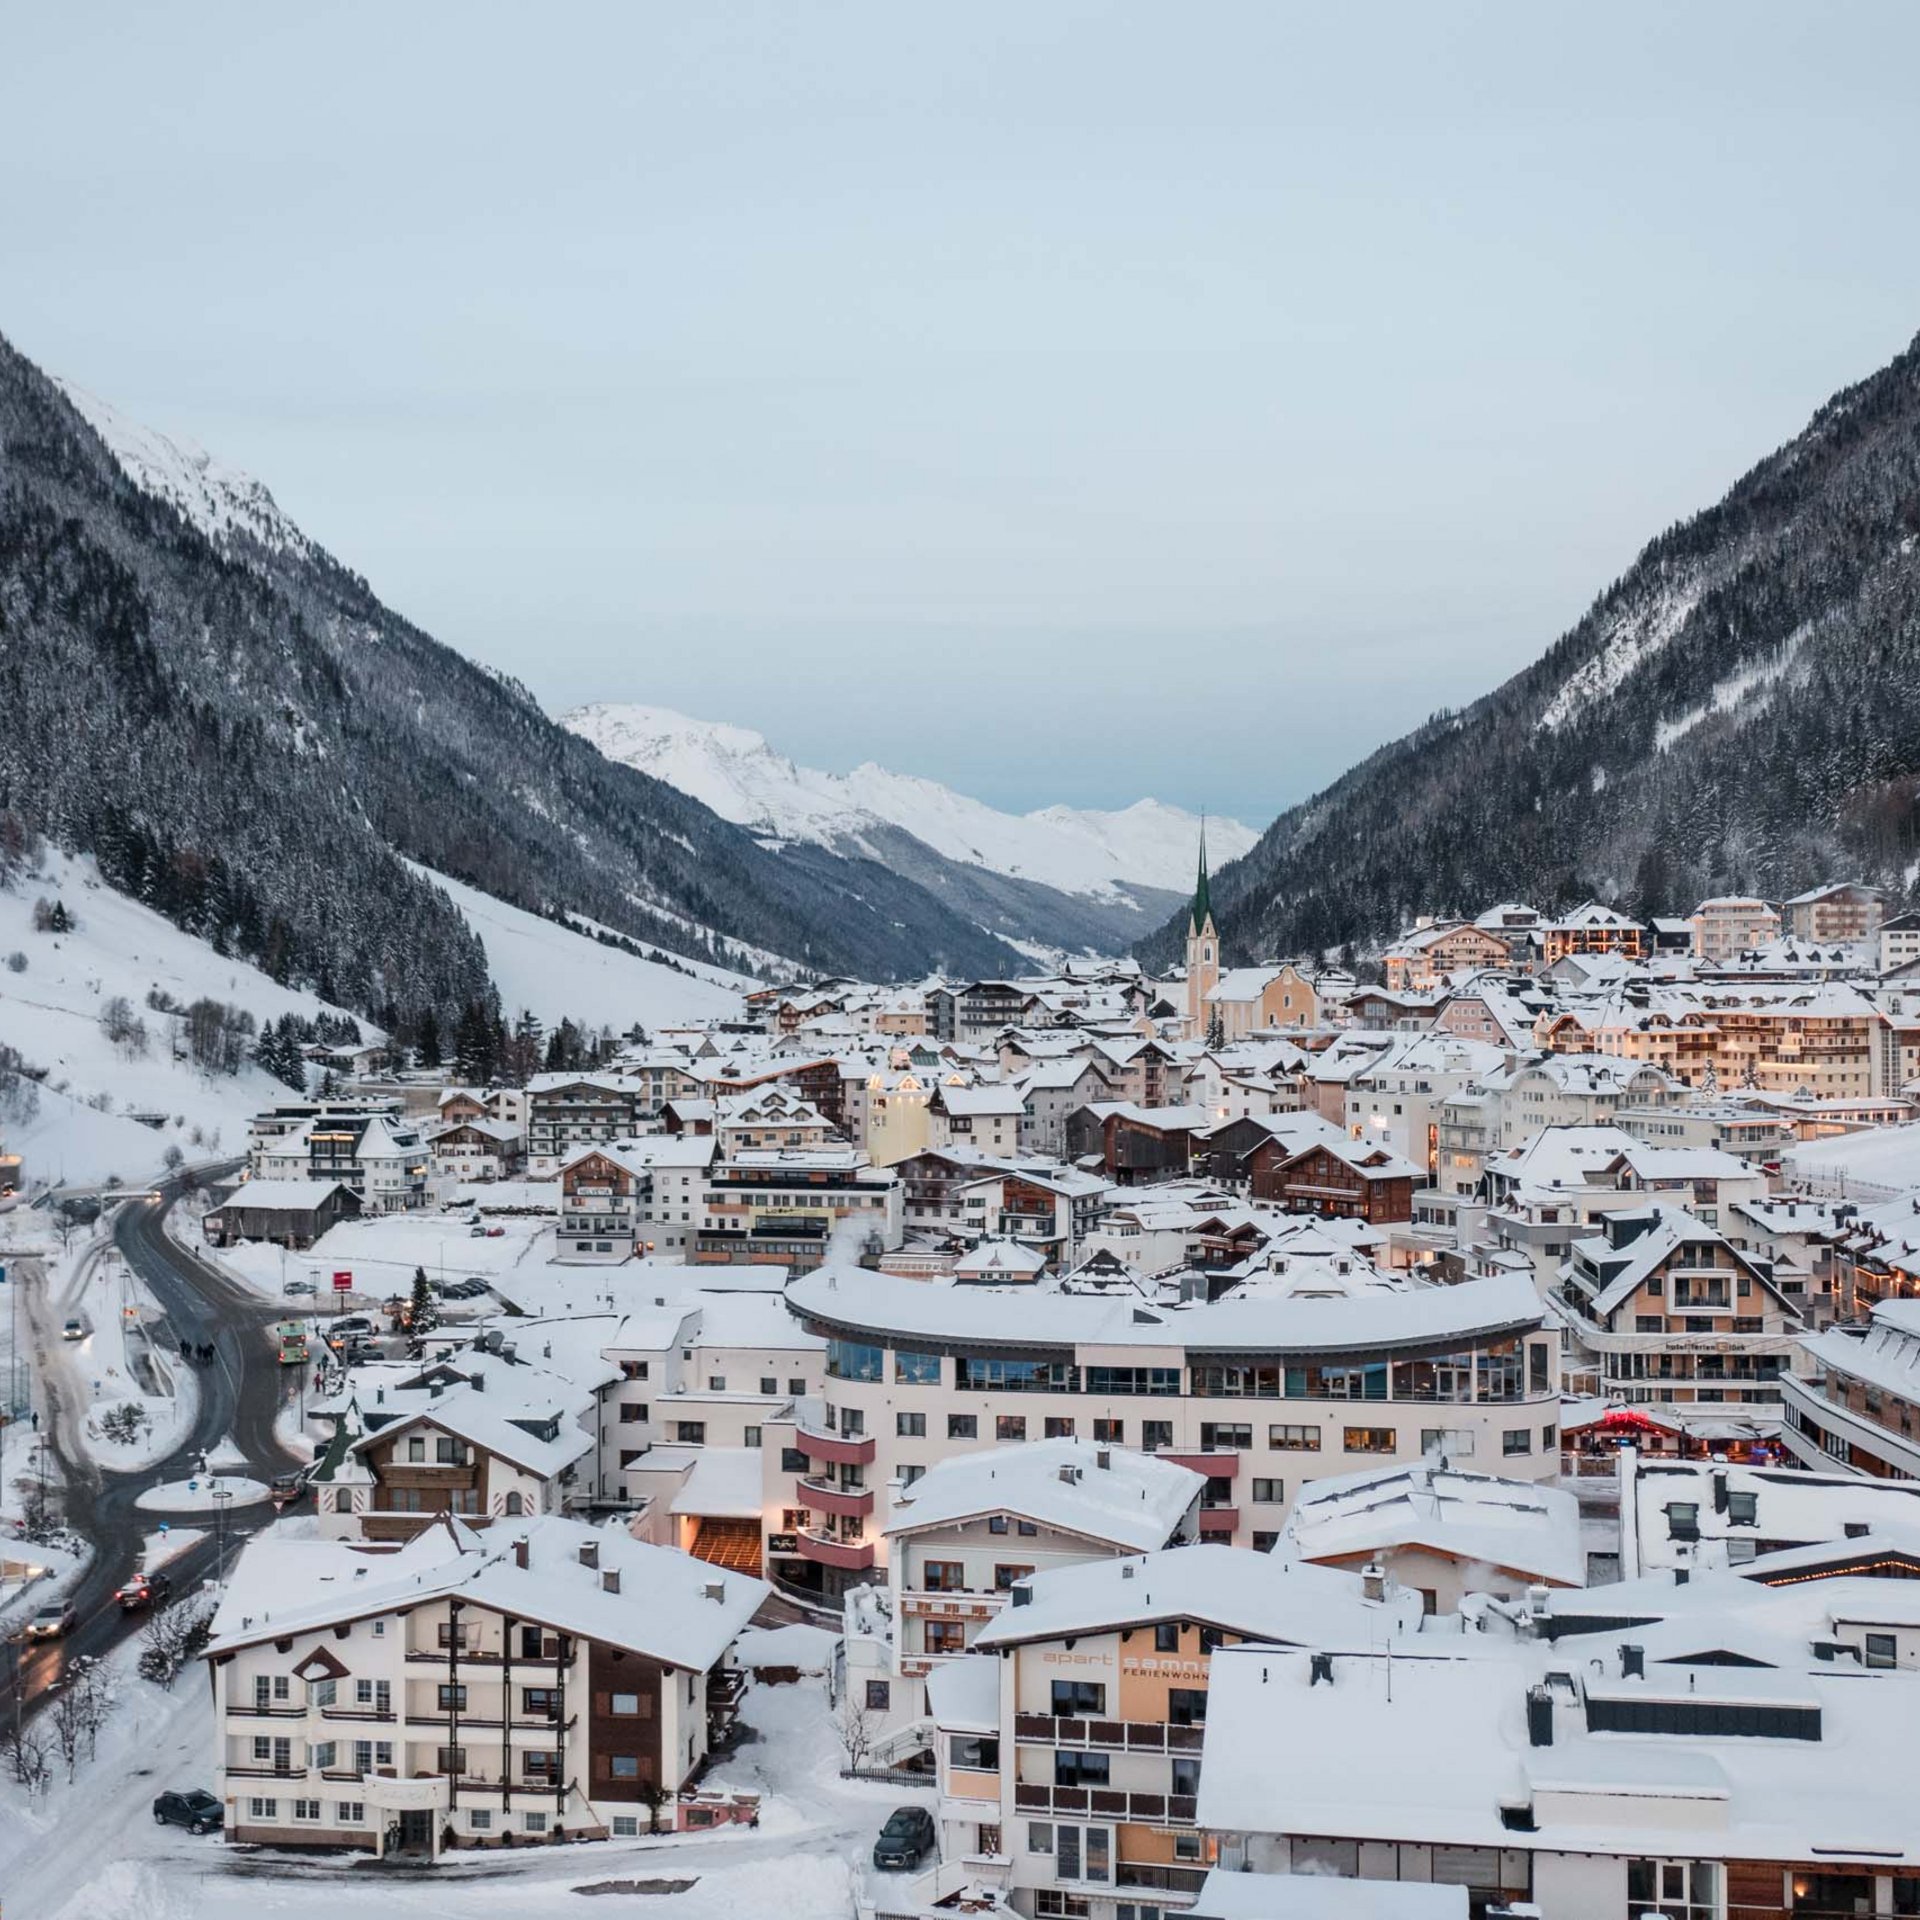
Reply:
x=906 y=1839
x=298 y=1286
x=197 y=1810
x=349 y=1323
x=144 y=1590
x=53 y=1620
x=496 y=1233
x=476 y=1232
x=74 y=1330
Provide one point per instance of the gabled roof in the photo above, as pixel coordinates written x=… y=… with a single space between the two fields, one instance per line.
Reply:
x=1113 y=1495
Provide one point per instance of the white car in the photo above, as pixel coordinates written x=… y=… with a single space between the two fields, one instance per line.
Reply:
x=298 y=1286
x=74 y=1330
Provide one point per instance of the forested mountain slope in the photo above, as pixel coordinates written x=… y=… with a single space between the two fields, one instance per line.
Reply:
x=249 y=741
x=1740 y=712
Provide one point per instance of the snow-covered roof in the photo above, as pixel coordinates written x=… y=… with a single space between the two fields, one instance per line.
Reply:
x=1518 y=1525
x=899 y=1311
x=486 y=1419
x=1430 y=1744
x=1111 y=1494
x=1264 y=1596
x=1226 y=1895
x=724 y=1483
x=668 y=1605
x=963 y=1695
x=285 y=1196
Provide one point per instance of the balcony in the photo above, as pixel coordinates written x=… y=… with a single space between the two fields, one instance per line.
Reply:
x=1106 y=1803
x=1218 y=1520
x=825 y=1497
x=1216 y=1466
x=841 y=1449
x=1130 y=1736
x=952 y=1606
x=850 y=1556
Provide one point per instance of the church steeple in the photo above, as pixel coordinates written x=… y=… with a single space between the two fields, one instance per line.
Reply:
x=1202 y=914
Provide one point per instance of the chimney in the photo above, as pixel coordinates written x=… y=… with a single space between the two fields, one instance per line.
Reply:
x=1539 y=1717
x=1719 y=1491
x=1104 y=1458
x=610 y=1580
x=589 y=1553
x=520 y=1555
x=478 y=1383
x=1633 y=1663
x=1320 y=1667
x=1373 y=1581
x=1070 y=1476
x=433 y=1390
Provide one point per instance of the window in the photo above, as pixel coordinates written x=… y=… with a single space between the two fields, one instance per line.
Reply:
x=978 y=1752
x=852 y=1422
x=769 y=1386
x=1004 y=1577
x=623 y=1703
x=1110 y=1432
x=539 y=1703
x=944 y=1576
x=1293 y=1439
x=349 y=1813
x=323 y=1755
x=1743 y=1508
x=1058 y=1428
x=1683 y=1519
x=1039 y=1836
x=1155 y=1434
x=1010 y=1426
x=1265 y=1542
x=1072 y=1769
x=453 y=1699
x=449 y=1453
x=1370 y=1439
x=690 y=1433
x=258 y=1809
x=540 y=1764
x=417 y=1448
x=1549 y=1437
x=963 y=1426
x=624 y=1766
x=534 y=1822
x=322 y=1693
x=1075 y=1697
x=910 y=1426
x=916 y=1369
x=631 y=1414
x=1539 y=1377
x=480 y=1819
x=1516 y=1440
x=1186 y=1846
x=716 y=1383
x=1186 y=1706
x=377 y=1694
x=1678 y=1889
x=1648 y=1323
x=1269 y=1493
x=879 y=1695
x=1882 y=1650
x=796 y=1386
x=530 y=1638
x=1224 y=1436
x=452 y=1760
x=852 y=1360
x=1166 y=1636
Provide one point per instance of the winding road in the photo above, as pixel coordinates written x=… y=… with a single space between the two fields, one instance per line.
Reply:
x=240 y=1393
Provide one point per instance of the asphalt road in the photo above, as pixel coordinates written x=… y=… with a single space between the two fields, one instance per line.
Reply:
x=240 y=1394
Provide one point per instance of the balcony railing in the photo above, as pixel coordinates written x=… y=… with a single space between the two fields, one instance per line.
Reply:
x=1219 y=1519
x=952 y=1606
x=855 y=1502
x=1221 y=1465
x=1110 y=1803
x=851 y=1556
x=1130 y=1736
x=839 y=1448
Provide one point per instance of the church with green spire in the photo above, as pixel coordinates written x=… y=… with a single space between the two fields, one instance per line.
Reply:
x=1203 y=950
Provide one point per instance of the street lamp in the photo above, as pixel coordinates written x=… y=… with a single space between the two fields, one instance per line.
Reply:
x=222 y=1498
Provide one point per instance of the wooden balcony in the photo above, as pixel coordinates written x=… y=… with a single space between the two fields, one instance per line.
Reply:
x=1217 y=1520
x=952 y=1606
x=1106 y=1803
x=825 y=1497
x=1118 y=1736
x=1216 y=1466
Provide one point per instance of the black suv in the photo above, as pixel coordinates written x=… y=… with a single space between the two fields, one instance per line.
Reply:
x=905 y=1840
x=198 y=1811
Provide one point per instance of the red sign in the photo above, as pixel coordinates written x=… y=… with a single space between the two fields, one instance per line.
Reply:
x=343 y=1283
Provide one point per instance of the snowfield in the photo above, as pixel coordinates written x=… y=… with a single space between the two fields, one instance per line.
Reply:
x=560 y=974
x=742 y=778
x=50 y=1012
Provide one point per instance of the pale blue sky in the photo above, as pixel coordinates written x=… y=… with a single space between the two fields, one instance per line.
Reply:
x=1065 y=401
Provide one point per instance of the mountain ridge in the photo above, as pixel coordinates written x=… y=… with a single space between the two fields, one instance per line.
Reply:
x=1739 y=711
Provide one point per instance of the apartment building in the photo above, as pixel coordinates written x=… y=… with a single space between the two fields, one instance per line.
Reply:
x=379 y=1158
x=1105 y=1696
x=1729 y=925
x=1661 y=1307
x=538 y=1682
x=567 y=1112
x=1843 y=910
x=1256 y=1391
x=1862 y=1410
x=780 y=1206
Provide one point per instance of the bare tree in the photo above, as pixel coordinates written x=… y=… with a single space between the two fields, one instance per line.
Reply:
x=856 y=1726
x=24 y=1751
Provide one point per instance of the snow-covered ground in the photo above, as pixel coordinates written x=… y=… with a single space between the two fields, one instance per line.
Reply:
x=382 y=1252
x=206 y=1496
x=742 y=778
x=92 y=1848
x=562 y=975
x=50 y=1011
x=1875 y=1164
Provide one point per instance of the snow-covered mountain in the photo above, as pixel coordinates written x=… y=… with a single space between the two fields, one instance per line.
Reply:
x=220 y=500
x=1099 y=856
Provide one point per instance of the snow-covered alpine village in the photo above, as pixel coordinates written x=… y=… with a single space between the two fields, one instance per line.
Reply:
x=1082 y=1444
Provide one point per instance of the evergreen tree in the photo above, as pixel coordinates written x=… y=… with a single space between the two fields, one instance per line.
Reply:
x=423 y=1311
x=426 y=1046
